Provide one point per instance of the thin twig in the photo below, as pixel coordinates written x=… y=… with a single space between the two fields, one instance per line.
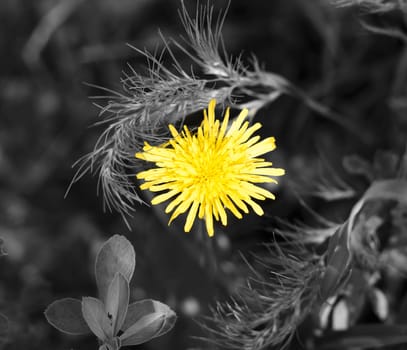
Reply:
x=45 y=29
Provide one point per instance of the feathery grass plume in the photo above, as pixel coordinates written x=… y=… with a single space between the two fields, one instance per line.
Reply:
x=165 y=96
x=328 y=185
x=218 y=167
x=386 y=31
x=309 y=234
x=378 y=6
x=280 y=293
x=207 y=42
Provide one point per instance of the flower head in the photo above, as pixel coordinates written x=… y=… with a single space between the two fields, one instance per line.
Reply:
x=209 y=171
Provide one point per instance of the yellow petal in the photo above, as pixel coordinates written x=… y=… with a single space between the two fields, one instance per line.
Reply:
x=163 y=197
x=221 y=211
x=211 y=111
x=238 y=122
x=257 y=208
x=228 y=204
x=264 y=146
x=209 y=222
x=173 y=131
x=191 y=216
x=182 y=208
x=170 y=207
x=140 y=155
x=269 y=171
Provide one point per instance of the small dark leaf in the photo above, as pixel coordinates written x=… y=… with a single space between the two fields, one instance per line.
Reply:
x=116 y=256
x=385 y=164
x=94 y=313
x=2 y=249
x=355 y=294
x=3 y=326
x=66 y=316
x=401 y=316
x=369 y=336
x=339 y=253
x=395 y=259
x=338 y=267
x=395 y=189
x=146 y=319
x=358 y=166
x=117 y=301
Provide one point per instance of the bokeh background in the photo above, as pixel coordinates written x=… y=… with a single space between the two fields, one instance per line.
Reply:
x=50 y=50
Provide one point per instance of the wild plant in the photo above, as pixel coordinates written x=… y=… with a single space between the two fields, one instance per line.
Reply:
x=316 y=277
x=112 y=318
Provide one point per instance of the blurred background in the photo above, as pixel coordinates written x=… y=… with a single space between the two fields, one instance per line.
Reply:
x=50 y=50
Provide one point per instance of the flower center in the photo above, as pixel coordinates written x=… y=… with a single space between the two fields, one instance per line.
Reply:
x=212 y=169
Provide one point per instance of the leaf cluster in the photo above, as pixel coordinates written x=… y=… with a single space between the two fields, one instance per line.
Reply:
x=111 y=318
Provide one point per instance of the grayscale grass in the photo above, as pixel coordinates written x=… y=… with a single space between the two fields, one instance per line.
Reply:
x=281 y=291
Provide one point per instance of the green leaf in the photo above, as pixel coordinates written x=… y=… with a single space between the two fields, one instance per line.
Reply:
x=136 y=311
x=146 y=319
x=94 y=313
x=66 y=316
x=116 y=256
x=113 y=345
x=117 y=301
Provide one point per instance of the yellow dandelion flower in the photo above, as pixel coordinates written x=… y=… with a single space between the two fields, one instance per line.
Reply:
x=209 y=171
